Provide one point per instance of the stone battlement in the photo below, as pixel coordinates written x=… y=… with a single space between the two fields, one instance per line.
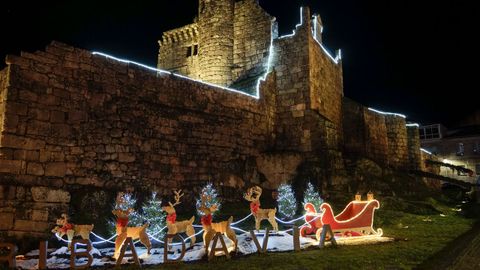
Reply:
x=186 y=33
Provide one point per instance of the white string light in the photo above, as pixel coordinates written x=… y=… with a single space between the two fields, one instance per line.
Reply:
x=426 y=151
x=238 y=229
x=413 y=125
x=296 y=26
x=256 y=96
x=387 y=113
x=291 y=221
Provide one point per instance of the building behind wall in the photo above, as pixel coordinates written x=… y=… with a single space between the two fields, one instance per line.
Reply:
x=457 y=146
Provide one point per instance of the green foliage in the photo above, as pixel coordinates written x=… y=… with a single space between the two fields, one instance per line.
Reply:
x=209 y=191
x=287 y=203
x=312 y=196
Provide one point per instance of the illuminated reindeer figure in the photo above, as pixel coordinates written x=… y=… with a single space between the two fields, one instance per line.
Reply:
x=209 y=228
x=253 y=196
x=175 y=226
x=64 y=227
x=123 y=231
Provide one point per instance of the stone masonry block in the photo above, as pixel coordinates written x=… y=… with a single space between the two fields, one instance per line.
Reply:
x=35 y=169
x=12 y=166
x=19 y=142
x=40 y=215
x=31 y=226
x=56 y=169
x=6 y=221
x=44 y=194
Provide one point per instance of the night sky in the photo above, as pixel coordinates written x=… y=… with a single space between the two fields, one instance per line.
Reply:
x=418 y=57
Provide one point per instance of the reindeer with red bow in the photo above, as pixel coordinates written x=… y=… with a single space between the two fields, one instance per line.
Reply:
x=175 y=226
x=253 y=196
x=123 y=231
x=64 y=227
x=209 y=228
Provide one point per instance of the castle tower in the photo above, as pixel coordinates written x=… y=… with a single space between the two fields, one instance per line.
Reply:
x=215 y=25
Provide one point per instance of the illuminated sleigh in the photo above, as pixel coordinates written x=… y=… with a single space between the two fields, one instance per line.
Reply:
x=355 y=219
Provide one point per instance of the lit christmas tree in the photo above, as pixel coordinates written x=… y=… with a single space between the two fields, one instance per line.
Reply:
x=209 y=191
x=312 y=196
x=153 y=214
x=287 y=204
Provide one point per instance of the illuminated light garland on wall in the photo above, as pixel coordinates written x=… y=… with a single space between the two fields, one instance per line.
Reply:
x=269 y=61
x=260 y=80
x=413 y=125
x=296 y=26
x=387 y=113
x=426 y=151
x=335 y=59
x=256 y=96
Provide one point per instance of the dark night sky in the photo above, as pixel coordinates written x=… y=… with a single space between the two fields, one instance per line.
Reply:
x=413 y=57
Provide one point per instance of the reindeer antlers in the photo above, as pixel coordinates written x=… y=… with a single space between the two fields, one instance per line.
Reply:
x=178 y=195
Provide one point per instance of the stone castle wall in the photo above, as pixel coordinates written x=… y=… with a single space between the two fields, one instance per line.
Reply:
x=382 y=138
x=291 y=65
x=376 y=137
x=326 y=84
x=253 y=30
x=414 y=152
x=178 y=52
x=397 y=141
x=77 y=119
x=3 y=92
x=215 y=23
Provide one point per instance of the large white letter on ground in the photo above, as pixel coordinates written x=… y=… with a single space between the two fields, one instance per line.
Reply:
x=261 y=249
x=165 y=250
x=74 y=254
x=128 y=242
x=218 y=236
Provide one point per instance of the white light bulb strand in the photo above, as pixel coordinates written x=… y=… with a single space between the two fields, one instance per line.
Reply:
x=241 y=220
x=291 y=221
x=159 y=71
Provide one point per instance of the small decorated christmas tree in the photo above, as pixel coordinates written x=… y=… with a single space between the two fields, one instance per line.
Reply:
x=153 y=214
x=287 y=204
x=208 y=191
x=312 y=196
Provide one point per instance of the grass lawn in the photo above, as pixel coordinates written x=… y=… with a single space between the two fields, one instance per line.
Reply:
x=418 y=236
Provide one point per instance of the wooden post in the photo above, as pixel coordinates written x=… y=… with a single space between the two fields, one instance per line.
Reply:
x=218 y=236
x=42 y=255
x=165 y=250
x=261 y=249
x=74 y=254
x=10 y=257
x=296 y=238
x=326 y=229
x=128 y=242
